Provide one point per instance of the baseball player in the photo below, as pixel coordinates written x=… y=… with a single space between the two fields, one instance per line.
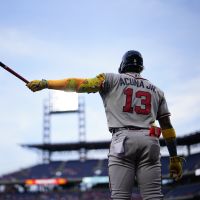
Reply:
x=132 y=104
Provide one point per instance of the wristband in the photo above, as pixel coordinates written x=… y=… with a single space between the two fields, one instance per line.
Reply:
x=168 y=133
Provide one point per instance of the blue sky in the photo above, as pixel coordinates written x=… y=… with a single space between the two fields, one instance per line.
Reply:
x=58 y=39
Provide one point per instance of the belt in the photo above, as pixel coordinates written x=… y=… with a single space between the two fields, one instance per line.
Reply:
x=117 y=129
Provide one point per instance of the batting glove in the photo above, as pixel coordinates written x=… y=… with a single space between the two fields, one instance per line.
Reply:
x=175 y=167
x=37 y=85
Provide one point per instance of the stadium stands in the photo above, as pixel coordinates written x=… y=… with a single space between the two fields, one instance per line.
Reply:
x=193 y=162
x=184 y=192
x=76 y=169
x=180 y=192
x=70 y=169
x=93 y=195
x=79 y=169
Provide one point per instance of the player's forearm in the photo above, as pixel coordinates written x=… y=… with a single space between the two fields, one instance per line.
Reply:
x=77 y=84
x=70 y=84
x=170 y=138
x=169 y=134
x=171 y=146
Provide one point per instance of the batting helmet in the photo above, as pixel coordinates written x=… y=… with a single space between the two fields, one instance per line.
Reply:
x=132 y=61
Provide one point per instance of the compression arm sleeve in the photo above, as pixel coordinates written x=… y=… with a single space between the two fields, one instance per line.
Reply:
x=79 y=85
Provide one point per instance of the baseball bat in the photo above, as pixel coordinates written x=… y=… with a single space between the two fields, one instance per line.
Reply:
x=13 y=72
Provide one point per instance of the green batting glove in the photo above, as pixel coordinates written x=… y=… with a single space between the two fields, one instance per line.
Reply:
x=175 y=167
x=37 y=85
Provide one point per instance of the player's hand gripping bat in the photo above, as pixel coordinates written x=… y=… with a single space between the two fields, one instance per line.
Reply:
x=13 y=72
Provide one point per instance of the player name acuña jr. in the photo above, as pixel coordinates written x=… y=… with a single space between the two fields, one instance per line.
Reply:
x=136 y=82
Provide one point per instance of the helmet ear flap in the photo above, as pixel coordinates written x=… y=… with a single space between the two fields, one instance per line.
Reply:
x=140 y=68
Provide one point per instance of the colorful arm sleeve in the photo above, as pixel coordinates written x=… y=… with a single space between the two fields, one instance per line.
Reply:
x=79 y=85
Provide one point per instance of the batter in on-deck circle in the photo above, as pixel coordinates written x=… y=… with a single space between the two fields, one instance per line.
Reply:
x=132 y=105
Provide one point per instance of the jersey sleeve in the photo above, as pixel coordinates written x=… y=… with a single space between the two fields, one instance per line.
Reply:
x=163 y=110
x=108 y=83
x=92 y=84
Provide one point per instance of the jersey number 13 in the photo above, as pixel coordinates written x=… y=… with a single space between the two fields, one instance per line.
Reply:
x=143 y=96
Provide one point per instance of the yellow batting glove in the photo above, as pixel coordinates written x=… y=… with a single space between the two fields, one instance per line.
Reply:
x=175 y=167
x=37 y=85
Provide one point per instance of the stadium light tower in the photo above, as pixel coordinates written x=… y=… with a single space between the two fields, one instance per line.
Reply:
x=82 y=129
x=60 y=102
x=46 y=130
x=81 y=111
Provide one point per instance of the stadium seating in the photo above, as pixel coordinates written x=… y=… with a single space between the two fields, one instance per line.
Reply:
x=93 y=195
x=183 y=191
x=78 y=169
x=165 y=165
x=75 y=169
x=192 y=162
x=68 y=169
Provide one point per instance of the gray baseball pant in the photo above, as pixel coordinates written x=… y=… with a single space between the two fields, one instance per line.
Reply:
x=134 y=154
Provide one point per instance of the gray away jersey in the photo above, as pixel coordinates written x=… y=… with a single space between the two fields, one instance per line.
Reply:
x=131 y=100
